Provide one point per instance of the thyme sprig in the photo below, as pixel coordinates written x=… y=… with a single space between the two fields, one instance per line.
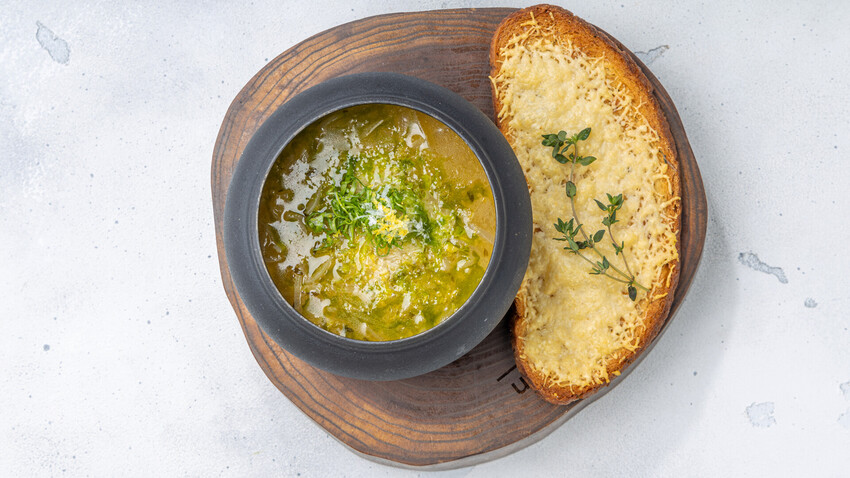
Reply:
x=565 y=150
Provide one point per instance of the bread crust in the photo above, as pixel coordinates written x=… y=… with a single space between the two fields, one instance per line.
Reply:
x=586 y=38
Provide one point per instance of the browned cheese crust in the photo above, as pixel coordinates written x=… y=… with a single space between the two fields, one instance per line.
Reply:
x=584 y=37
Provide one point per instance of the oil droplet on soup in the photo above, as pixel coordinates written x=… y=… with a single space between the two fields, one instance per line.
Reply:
x=376 y=222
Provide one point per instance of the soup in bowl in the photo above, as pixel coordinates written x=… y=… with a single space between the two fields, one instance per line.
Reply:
x=377 y=226
x=377 y=222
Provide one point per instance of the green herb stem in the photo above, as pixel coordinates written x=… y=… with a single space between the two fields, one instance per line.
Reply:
x=572 y=199
x=604 y=273
x=625 y=262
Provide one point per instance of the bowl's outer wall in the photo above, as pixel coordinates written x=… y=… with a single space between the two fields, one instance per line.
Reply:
x=429 y=350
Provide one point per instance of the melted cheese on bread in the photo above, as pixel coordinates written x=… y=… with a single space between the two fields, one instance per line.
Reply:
x=576 y=323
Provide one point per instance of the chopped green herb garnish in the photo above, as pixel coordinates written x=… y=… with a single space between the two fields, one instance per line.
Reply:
x=386 y=216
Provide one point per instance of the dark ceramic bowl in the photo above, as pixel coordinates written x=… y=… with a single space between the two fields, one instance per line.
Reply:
x=431 y=349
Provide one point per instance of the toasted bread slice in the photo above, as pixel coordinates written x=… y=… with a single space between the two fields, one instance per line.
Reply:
x=551 y=71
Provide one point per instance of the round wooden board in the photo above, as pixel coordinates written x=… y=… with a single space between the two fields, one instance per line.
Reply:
x=479 y=407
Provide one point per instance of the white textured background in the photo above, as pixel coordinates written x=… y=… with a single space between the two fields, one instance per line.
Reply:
x=121 y=356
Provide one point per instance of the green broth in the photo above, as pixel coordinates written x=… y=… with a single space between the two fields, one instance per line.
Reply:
x=376 y=222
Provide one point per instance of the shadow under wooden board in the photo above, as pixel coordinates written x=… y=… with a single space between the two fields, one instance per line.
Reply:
x=477 y=408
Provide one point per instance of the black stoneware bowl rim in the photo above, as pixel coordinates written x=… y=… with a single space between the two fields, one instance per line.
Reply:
x=420 y=353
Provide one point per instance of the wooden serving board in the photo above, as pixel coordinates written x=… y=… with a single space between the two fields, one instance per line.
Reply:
x=479 y=407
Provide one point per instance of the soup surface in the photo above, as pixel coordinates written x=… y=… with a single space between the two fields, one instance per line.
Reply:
x=376 y=222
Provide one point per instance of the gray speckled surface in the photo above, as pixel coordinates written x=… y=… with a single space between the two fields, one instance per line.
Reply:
x=120 y=355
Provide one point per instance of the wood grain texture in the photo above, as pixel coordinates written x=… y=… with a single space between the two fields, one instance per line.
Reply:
x=478 y=407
